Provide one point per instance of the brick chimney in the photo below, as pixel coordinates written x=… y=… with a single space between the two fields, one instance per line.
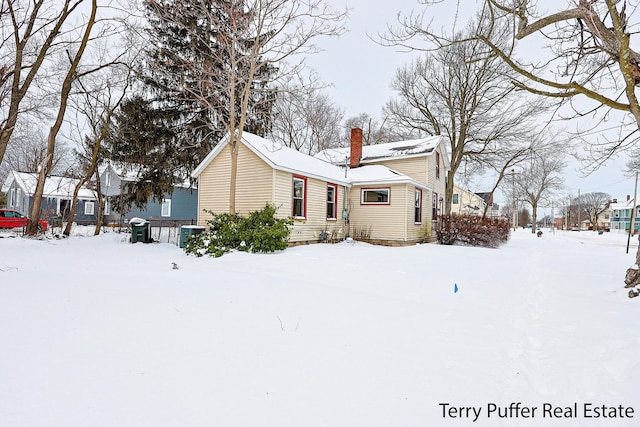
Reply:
x=356 y=148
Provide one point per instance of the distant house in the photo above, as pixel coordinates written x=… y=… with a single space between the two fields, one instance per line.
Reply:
x=465 y=202
x=180 y=205
x=56 y=198
x=369 y=201
x=621 y=214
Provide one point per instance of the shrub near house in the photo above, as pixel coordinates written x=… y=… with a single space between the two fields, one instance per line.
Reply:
x=472 y=230
x=261 y=231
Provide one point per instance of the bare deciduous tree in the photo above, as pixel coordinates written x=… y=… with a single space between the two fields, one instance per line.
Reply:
x=304 y=118
x=538 y=180
x=31 y=33
x=594 y=204
x=252 y=37
x=459 y=91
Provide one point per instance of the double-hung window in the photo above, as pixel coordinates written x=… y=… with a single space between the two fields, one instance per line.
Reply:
x=166 y=208
x=417 y=210
x=89 y=208
x=299 y=197
x=437 y=165
x=332 y=205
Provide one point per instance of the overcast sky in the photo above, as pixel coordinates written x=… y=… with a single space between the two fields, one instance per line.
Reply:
x=361 y=71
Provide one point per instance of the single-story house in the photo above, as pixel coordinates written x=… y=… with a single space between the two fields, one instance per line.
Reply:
x=179 y=205
x=372 y=202
x=56 y=198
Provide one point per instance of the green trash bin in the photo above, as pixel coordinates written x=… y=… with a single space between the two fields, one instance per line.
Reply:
x=140 y=230
x=186 y=231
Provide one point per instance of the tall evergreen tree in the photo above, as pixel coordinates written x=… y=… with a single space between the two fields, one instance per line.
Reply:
x=141 y=141
x=186 y=65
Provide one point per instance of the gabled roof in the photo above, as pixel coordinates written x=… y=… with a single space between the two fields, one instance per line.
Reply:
x=627 y=204
x=54 y=186
x=387 y=151
x=131 y=172
x=289 y=160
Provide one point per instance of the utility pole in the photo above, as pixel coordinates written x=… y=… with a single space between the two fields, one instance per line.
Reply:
x=633 y=211
x=513 y=195
x=579 y=206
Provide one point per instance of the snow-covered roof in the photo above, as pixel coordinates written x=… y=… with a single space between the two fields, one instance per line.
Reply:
x=54 y=186
x=289 y=160
x=386 y=151
x=131 y=172
x=380 y=175
x=627 y=204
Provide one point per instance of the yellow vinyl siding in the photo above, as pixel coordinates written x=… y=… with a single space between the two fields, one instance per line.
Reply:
x=415 y=168
x=315 y=222
x=384 y=221
x=254 y=184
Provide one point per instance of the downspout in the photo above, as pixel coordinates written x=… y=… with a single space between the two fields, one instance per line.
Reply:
x=345 y=213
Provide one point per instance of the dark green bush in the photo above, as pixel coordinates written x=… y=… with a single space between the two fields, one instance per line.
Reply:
x=261 y=231
x=472 y=230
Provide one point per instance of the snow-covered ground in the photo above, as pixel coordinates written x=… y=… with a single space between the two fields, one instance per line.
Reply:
x=95 y=331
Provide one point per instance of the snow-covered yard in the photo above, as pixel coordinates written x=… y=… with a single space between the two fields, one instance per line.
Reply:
x=95 y=331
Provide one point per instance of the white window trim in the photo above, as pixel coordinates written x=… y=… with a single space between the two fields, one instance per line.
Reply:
x=12 y=198
x=107 y=207
x=334 y=213
x=89 y=208
x=165 y=208
x=417 y=206
x=365 y=190
x=303 y=198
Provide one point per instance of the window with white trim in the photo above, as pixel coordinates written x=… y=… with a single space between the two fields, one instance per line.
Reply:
x=12 y=198
x=375 y=196
x=299 y=197
x=89 y=208
x=454 y=200
x=417 y=209
x=332 y=206
x=107 y=207
x=437 y=165
x=166 y=208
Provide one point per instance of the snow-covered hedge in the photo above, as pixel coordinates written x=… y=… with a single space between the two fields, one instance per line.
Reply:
x=261 y=231
x=472 y=230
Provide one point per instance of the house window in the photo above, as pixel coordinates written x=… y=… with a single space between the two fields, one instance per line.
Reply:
x=107 y=179
x=454 y=200
x=437 y=165
x=332 y=206
x=89 y=208
x=417 y=210
x=376 y=196
x=107 y=207
x=434 y=206
x=12 y=198
x=299 y=197
x=166 y=207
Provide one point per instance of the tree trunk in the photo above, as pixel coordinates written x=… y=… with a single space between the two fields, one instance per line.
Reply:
x=234 y=175
x=100 y=205
x=34 y=214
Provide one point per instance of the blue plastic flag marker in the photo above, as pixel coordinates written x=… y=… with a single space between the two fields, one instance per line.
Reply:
x=455 y=288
